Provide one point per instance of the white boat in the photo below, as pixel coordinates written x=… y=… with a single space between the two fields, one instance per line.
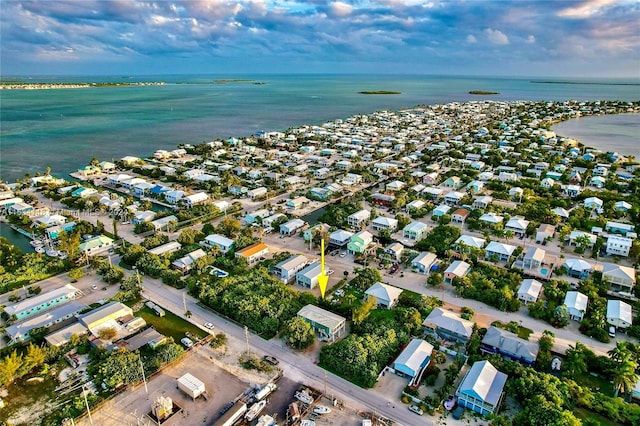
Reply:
x=39 y=249
x=321 y=409
x=36 y=243
x=266 y=420
x=255 y=410
x=52 y=252
x=303 y=396
x=307 y=422
x=62 y=255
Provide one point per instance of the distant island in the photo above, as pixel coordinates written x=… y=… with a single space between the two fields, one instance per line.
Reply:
x=595 y=83
x=234 y=80
x=482 y=92
x=379 y=92
x=15 y=85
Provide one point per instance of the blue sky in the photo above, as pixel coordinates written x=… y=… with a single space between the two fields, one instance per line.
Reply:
x=592 y=38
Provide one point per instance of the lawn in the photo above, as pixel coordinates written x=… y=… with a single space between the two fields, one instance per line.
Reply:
x=583 y=414
x=594 y=383
x=170 y=324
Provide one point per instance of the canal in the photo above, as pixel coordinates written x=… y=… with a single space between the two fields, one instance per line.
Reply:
x=15 y=238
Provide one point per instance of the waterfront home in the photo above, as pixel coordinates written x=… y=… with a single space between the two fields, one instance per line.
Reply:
x=96 y=245
x=509 y=345
x=288 y=268
x=42 y=302
x=413 y=359
x=319 y=193
x=618 y=246
x=359 y=242
x=359 y=219
x=297 y=203
x=518 y=225
x=185 y=263
x=621 y=278
x=386 y=295
x=328 y=325
x=195 y=199
x=142 y=216
x=173 y=196
x=340 y=238
x=424 y=262
x=502 y=252
x=253 y=253
x=164 y=223
x=460 y=215
x=292 y=226
x=53 y=232
x=223 y=243
x=414 y=231
x=545 y=232
x=619 y=228
x=481 y=389
x=268 y=221
x=308 y=277
x=321 y=228
x=576 y=304
x=619 y=314
x=529 y=290
x=116 y=179
x=52 y=220
x=448 y=325
x=83 y=192
x=381 y=222
x=457 y=269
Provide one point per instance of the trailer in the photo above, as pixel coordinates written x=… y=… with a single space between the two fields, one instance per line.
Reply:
x=191 y=386
x=235 y=414
x=265 y=391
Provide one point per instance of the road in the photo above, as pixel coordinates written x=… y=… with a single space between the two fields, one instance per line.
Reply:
x=295 y=366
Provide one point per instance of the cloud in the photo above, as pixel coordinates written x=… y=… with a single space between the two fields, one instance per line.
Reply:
x=339 y=8
x=471 y=39
x=586 y=9
x=531 y=39
x=496 y=36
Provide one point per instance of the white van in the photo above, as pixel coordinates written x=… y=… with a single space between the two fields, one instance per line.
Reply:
x=186 y=342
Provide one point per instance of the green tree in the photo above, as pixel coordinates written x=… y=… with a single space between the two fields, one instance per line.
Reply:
x=575 y=362
x=366 y=277
x=361 y=312
x=435 y=279
x=9 y=367
x=190 y=236
x=624 y=373
x=107 y=333
x=70 y=243
x=33 y=358
x=121 y=367
x=229 y=227
x=299 y=333
x=75 y=274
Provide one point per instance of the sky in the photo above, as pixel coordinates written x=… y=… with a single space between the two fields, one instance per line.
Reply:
x=579 y=38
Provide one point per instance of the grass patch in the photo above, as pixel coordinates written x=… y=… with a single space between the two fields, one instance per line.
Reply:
x=584 y=414
x=524 y=333
x=596 y=384
x=170 y=325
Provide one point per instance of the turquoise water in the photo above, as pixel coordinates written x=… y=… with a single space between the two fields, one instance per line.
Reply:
x=15 y=238
x=544 y=271
x=65 y=128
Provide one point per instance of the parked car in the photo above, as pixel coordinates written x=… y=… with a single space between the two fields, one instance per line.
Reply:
x=416 y=409
x=271 y=360
x=209 y=325
x=343 y=254
x=612 y=331
x=186 y=342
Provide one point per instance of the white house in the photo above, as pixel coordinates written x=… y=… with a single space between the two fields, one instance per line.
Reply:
x=453 y=198
x=491 y=218
x=591 y=203
x=619 y=277
x=529 y=290
x=619 y=314
x=382 y=222
x=469 y=241
x=385 y=294
x=423 y=262
x=340 y=238
x=358 y=219
x=292 y=226
x=517 y=225
x=173 y=196
x=216 y=240
x=257 y=193
x=288 y=268
x=414 y=231
x=576 y=304
x=308 y=277
x=457 y=269
x=618 y=246
x=195 y=199
x=502 y=251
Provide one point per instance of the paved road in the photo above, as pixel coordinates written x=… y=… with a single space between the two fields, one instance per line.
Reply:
x=295 y=366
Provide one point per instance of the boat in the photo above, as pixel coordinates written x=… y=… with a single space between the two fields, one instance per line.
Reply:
x=266 y=420
x=255 y=410
x=303 y=396
x=51 y=252
x=321 y=409
x=36 y=243
x=39 y=249
x=308 y=422
x=62 y=255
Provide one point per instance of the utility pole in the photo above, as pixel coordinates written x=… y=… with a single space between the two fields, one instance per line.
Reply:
x=184 y=302
x=246 y=336
x=87 y=403
x=144 y=378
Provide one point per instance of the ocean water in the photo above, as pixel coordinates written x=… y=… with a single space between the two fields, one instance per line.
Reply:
x=619 y=133
x=65 y=128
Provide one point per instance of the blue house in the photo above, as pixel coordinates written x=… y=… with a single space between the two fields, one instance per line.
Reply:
x=481 y=390
x=413 y=359
x=159 y=190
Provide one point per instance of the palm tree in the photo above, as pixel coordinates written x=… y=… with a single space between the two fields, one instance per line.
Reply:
x=624 y=374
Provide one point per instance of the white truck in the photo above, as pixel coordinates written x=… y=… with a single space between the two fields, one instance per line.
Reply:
x=191 y=386
x=265 y=391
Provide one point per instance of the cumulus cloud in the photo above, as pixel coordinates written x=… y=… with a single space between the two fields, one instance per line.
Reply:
x=531 y=39
x=586 y=9
x=496 y=36
x=338 y=8
x=471 y=39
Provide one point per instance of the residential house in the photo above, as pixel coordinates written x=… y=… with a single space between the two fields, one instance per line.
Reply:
x=297 y=203
x=268 y=221
x=308 y=233
x=42 y=302
x=395 y=186
x=386 y=295
x=322 y=172
x=432 y=193
x=288 y=268
x=592 y=203
x=414 y=231
x=164 y=222
x=563 y=213
x=223 y=243
x=547 y=183
x=358 y=220
x=545 y=232
x=195 y=199
x=619 y=314
x=53 y=232
x=104 y=316
x=482 y=202
x=448 y=325
x=491 y=219
x=394 y=251
x=173 y=196
x=414 y=205
x=578 y=268
x=516 y=192
x=308 y=277
x=256 y=216
x=253 y=253
x=440 y=211
x=453 y=182
x=185 y=263
x=622 y=206
x=460 y=215
x=457 y=269
x=96 y=245
x=340 y=238
x=20 y=331
x=257 y=193
x=529 y=290
x=481 y=389
x=327 y=324
x=619 y=228
x=292 y=226
x=381 y=222
x=509 y=345
x=533 y=258
x=465 y=242
x=164 y=249
x=618 y=246
x=574 y=235
x=622 y=278
x=424 y=262
x=453 y=198
x=501 y=251
x=576 y=304
x=359 y=242
x=517 y=225
x=237 y=190
x=413 y=359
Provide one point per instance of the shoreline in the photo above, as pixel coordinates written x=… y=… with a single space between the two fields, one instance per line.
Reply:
x=595 y=131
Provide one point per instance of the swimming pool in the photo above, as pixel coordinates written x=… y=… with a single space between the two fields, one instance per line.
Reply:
x=544 y=271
